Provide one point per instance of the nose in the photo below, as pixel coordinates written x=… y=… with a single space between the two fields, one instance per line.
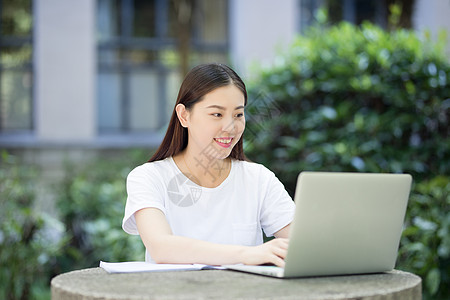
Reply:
x=229 y=125
x=233 y=125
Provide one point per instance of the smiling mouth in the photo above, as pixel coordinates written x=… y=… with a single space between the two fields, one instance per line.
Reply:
x=224 y=142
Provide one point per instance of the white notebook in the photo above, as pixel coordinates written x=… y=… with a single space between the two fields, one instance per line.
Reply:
x=142 y=266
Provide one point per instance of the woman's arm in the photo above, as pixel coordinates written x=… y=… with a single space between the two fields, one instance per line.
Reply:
x=283 y=232
x=164 y=247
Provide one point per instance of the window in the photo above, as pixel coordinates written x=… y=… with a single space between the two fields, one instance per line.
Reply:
x=142 y=45
x=353 y=11
x=16 y=111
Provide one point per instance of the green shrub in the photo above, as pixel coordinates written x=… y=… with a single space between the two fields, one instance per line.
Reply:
x=348 y=98
x=426 y=240
x=91 y=200
x=28 y=239
x=34 y=247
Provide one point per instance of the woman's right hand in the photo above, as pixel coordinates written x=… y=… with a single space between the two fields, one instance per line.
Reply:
x=271 y=252
x=164 y=247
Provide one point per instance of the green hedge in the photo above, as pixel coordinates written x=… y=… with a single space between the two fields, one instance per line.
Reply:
x=35 y=247
x=360 y=99
x=91 y=201
x=28 y=239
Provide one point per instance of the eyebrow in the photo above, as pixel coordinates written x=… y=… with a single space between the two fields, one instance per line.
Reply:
x=223 y=108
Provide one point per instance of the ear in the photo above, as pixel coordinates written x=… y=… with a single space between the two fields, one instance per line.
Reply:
x=182 y=114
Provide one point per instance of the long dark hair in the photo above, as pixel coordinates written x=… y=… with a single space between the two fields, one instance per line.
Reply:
x=198 y=82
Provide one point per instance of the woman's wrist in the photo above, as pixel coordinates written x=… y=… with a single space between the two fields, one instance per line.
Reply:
x=244 y=254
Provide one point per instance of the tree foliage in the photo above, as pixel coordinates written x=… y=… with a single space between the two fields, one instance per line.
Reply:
x=360 y=99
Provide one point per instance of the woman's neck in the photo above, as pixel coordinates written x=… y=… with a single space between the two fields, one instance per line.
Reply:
x=202 y=169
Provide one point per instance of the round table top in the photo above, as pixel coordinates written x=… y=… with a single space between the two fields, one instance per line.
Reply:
x=96 y=283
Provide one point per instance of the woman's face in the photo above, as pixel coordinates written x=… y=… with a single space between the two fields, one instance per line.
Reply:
x=216 y=123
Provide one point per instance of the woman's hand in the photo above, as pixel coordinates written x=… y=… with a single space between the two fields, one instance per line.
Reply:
x=272 y=252
x=164 y=247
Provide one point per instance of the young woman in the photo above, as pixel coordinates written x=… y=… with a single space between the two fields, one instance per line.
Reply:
x=198 y=200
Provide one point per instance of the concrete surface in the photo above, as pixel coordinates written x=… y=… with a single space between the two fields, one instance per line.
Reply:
x=221 y=284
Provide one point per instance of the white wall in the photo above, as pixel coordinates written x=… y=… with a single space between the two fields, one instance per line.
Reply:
x=65 y=70
x=433 y=15
x=258 y=28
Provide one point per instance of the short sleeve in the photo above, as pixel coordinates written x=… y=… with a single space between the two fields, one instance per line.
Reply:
x=277 y=209
x=144 y=190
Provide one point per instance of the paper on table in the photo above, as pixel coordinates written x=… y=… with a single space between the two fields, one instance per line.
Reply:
x=141 y=266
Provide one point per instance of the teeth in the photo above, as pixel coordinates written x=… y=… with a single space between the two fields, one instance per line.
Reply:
x=224 y=141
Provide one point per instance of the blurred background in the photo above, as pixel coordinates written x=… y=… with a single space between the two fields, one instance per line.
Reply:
x=87 y=88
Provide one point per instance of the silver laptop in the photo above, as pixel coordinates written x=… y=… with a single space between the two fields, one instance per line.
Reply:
x=344 y=223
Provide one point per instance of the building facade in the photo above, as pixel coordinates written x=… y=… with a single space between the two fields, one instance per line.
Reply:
x=105 y=73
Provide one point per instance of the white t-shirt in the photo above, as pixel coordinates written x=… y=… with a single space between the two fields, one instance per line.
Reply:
x=249 y=200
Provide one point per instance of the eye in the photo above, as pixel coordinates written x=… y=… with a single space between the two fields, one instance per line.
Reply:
x=217 y=115
x=239 y=115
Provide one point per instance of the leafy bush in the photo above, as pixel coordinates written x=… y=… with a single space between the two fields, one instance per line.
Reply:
x=91 y=200
x=35 y=247
x=348 y=98
x=27 y=237
x=426 y=240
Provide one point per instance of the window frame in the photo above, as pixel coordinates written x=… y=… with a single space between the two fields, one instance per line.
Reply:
x=125 y=41
x=18 y=42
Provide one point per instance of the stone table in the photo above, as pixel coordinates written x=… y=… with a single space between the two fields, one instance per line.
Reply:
x=96 y=283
